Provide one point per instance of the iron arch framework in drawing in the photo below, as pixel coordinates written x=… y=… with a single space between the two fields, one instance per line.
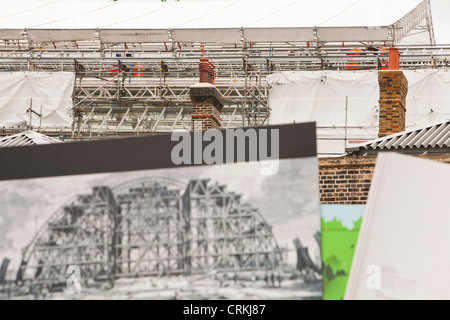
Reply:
x=151 y=227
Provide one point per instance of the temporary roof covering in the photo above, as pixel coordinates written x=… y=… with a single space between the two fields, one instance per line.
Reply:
x=211 y=21
x=345 y=104
x=48 y=94
x=26 y=138
x=431 y=136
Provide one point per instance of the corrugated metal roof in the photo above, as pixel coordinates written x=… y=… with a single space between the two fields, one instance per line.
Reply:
x=26 y=138
x=430 y=136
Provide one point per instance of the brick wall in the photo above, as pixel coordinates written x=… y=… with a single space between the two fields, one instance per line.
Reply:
x=393 y=90
x=207 y=104
x=205 y=116
x=347 y=180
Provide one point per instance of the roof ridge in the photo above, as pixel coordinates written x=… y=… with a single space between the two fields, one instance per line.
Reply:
x=425 y=142
x=33 y=138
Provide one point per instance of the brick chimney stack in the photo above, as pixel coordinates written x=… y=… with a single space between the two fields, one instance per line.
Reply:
x=207 y=100
x=393 y=90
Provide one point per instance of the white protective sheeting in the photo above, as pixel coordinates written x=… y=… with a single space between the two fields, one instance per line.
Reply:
x=323 y=97
x=50 y=35
x=51 y=90
x=272 y=34
x=352 y=34
x=134 y=35
x=224 y=15
x=232 y=35
x=11 y=34
x=428 y=99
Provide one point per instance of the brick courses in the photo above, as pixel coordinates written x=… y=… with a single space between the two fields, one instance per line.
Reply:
x=207 y=102
x=347 y=180
x=393 y=90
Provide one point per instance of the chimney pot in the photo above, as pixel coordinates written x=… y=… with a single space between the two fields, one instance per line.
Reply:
x=394 y=59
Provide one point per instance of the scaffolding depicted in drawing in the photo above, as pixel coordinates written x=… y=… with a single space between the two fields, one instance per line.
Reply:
x=151 y=227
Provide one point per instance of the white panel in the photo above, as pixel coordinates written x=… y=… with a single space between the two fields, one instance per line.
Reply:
x=270 y=34
x=50 y=35
x=50 y=90
x=133 y=35
x=353 y=33
x=403 y=243
x=232 y=35
x=11 y=34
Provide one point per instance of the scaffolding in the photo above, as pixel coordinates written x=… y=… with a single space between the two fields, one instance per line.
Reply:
x=146 y=95
x=151 y=227
x=136 y=81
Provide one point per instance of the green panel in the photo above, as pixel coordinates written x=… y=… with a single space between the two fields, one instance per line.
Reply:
x=338 y=246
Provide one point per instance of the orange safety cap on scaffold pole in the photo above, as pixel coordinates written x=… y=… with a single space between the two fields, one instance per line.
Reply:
x=353 y=64
x=137 y=70
x=383 y=56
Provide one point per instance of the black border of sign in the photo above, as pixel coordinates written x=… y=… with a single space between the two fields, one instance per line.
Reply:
x=128 y=154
